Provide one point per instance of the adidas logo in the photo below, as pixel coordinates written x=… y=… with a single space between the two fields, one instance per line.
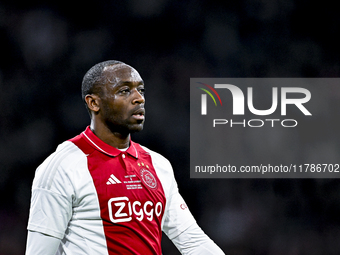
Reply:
x=113 y=180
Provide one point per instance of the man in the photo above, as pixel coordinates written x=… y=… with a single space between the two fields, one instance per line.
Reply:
x=101 y=193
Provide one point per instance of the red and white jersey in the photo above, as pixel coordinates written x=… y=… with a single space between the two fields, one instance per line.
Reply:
x=100 y=200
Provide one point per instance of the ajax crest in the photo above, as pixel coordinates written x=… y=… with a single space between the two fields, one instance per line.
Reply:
x=148 y=178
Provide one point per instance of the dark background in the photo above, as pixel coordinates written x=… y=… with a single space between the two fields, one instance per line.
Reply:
x=47 y=46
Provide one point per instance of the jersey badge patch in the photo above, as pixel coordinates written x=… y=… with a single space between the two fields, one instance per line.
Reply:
x=148 y=178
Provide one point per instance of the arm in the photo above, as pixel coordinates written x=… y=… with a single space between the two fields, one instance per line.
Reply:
x=182 y=229
x=34 y=244
x=51 y=207
x=193 y=241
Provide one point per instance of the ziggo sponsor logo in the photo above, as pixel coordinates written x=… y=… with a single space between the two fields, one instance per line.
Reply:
x=122 y=210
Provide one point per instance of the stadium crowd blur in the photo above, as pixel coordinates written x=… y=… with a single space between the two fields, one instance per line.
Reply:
x=47 y=46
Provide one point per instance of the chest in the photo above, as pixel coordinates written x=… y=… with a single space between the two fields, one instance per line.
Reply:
x=128 y=189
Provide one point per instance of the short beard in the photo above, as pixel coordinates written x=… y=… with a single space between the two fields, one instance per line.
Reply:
x=123 y=129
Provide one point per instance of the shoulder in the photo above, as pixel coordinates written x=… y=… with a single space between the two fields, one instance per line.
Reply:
x=65 y=154
x=157 y=158
x=57 y=164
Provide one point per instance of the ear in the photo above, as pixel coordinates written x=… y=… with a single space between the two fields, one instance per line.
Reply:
x=93 y=102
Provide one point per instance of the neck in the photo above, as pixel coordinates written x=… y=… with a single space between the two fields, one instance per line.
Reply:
x=115 y=139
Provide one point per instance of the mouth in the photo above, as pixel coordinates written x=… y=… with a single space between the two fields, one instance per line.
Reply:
x=139 y=114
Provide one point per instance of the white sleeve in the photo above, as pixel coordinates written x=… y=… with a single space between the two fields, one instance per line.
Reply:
x=193 y=241
x=34 y=244
x=51 y=201
x=50 y=213
x=182 y=229
x=177 y=217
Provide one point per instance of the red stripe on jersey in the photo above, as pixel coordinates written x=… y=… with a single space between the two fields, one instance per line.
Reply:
x=132 y=208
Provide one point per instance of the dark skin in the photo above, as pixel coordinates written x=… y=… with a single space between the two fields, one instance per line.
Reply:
x=119 y=110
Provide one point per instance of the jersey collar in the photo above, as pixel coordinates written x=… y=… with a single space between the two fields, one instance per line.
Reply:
x=103 y=147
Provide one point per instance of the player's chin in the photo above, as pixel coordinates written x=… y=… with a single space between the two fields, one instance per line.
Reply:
x=136 y=127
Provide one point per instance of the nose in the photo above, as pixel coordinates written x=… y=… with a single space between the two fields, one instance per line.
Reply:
x=138 y=97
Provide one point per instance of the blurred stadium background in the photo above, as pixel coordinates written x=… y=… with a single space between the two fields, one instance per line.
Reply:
x=47 y=46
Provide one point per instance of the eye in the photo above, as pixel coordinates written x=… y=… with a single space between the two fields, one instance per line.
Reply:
x=124 y=90
x=141 y=91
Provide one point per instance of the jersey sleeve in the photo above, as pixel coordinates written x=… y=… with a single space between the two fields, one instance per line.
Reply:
x=177 y=216
x=193 y=241
x=52 y=193
x=182 y=229
x=40 y=244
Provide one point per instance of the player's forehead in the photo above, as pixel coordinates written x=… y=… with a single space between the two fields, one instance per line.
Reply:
x=121 y=72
